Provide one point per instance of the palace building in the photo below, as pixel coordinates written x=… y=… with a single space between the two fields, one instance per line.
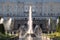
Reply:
x=17 y=12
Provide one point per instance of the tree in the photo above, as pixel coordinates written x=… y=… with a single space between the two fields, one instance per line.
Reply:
x=51 y=24
x=58 y=25
x=2 y=30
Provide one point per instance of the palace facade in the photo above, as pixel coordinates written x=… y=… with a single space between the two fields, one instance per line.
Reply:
x=18 y=11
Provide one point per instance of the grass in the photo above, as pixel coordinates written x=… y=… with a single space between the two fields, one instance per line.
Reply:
x=55 y=35
x=6 y=36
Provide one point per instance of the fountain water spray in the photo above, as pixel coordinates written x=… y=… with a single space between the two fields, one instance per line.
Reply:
x=57 y=21
x=30 y=31
x=49 y=25
x=49 y=22
x=8 y=24
x=1 y=21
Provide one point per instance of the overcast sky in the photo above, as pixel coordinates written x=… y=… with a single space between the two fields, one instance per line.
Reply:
x=30 y=0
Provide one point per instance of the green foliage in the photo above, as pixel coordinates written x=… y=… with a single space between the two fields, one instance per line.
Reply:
x=2 y=30
x=51 y=24
x=6 y=36
x=57 y=38
x=58 y=26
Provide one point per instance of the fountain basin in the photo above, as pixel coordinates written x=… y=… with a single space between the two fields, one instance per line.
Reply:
x=32 y=35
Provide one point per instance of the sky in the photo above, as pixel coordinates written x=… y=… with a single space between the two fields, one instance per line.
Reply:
x=30 y=0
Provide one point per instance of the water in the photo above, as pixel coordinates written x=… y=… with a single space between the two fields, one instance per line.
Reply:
x=7 y=24
x=29 y=37
x=30 y=31
x=57 y=21
x=1 y=20
x=49 y=22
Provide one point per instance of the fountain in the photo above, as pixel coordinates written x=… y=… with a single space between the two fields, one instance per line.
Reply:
x=29 y=34
x=1 y=20
x=49 y=22
x=30 y=31
x=49 y=25
x=57 y=21
x=7 y=24
x=2 y=30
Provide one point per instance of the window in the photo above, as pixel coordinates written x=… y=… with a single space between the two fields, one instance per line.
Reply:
x=26 y=9
x=58 y=14
x=40 y=14
x=33 y=18
x=33 y=9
